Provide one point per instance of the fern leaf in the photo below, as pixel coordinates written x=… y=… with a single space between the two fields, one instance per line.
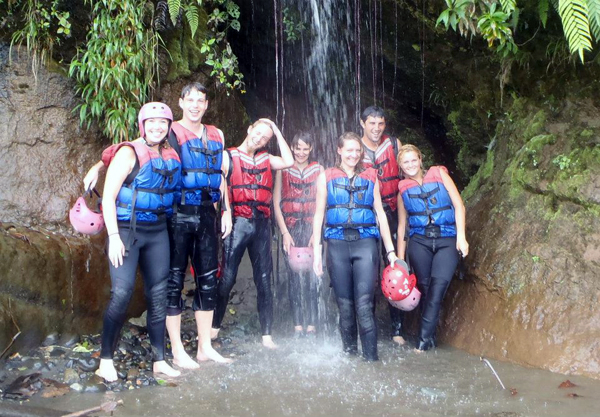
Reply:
x=174 y=6
x=594 y=15
x=508 y=5
x=191 y=13
x=543 y=12
x=574 y=16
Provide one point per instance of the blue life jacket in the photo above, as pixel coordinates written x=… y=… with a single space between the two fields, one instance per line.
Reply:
x=201 y=164
x=154 y=188
x=428 y=204
x=350 y=204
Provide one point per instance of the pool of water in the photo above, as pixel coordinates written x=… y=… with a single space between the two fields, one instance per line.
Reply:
x=313 y=378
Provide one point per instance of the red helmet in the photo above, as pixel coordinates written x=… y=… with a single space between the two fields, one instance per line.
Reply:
x=396 y=284
x=301 y=259
x=84 y=220
x=410 y=302
x=152 y=110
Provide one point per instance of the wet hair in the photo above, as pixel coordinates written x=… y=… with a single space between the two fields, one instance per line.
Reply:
x=259 y=122
x=303 y=136
x=345 y=137
x=373 y=111
x=406 y=149
x=187 y=89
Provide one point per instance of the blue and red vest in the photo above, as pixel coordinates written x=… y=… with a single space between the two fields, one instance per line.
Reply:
x=350 y=204
x=201 y=165
x=153 y=188
x=250 y=184
x=298 y=193
x=428 y=204
x=388 y=173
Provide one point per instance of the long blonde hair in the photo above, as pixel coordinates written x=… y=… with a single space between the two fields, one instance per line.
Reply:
x=341 y=141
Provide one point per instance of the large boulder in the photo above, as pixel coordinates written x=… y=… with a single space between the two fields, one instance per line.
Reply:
x=533 y=283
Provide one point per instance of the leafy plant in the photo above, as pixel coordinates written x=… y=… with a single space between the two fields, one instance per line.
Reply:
x=292 y=25
x=117 y=67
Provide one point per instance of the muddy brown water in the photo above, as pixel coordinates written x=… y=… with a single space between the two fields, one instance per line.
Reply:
x=315 y=379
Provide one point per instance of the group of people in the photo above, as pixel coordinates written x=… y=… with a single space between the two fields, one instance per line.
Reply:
x=164 y=191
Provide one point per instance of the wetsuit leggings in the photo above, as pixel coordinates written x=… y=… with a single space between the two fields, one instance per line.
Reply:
x=434 y=261
x=194 y=237
x=150 y=249
x=396 y=315
x=254 y=234
x=353 y=267
x=302 y=286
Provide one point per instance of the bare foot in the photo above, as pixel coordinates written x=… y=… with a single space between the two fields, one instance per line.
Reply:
x=311 y=329
x=107 y=370
x=207 y=353
x=162 y=367
x=399 y=340
x=267 y=341
x=214 y=333
x=183 y=360
x=419 y=351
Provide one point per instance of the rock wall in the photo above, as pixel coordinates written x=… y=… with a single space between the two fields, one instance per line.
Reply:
x=533 y=283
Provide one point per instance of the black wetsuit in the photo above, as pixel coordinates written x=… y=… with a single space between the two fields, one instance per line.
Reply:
x=255 y=235
x=150 y=249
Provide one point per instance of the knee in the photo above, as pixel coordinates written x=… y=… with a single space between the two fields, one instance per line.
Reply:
x=364 y=313
x=119 y=301
x=157 y=301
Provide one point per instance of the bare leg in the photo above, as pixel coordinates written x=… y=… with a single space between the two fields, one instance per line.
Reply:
x=214 y=333
x=180 y=356
x=162 y=367
x=267 y=341
x=298 y=328
x=107 y=370
x=311 y=329
x=205 y=349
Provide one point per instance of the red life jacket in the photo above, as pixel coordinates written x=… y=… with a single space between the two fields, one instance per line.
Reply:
x=250 y=184
x=298 y=193
x=387 y=170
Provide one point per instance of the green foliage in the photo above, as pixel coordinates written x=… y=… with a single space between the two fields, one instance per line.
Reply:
x=497 y=20
x=292 y=25
x=116 y=69
x=562 y=162
x=44 y=26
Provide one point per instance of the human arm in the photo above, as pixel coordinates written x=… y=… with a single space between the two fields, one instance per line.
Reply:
x=91 y=178
x=310 y=241
x=459 y=213
x=401 y=243
x=286 y=159
x=321 y=200
x=285 y=233
x=120 y=167
x=384 y=227
x=226 y=220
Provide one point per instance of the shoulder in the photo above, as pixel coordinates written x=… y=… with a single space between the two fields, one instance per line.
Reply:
x=369 y=174
x=435 y=173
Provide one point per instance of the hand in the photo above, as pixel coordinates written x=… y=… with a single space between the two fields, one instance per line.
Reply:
x=274 y=127
x=116 y=250
x=462 y=246
x=392 y=258
x=318 y=262
x=226 y=224
x=288 y=241
x=90 y=179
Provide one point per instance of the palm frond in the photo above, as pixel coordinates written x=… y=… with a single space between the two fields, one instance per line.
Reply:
x=594 y=16
x=508 y=5
x=543 y=11
x=174 y=6
x=191 y=14
x=574 y=16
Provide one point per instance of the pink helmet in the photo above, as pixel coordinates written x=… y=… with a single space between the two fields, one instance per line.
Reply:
x=410 y=302
x=301 y=259
x=396 y=284
x=152 y=110
x=84 y=220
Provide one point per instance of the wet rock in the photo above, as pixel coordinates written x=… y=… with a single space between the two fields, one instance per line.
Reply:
x=88 y=364
x=51 y=339
x=139 y=351
x=121 y=374
x=69 y=340
x=77 y=387
x=94 y=388
x=71 y=376
x=58 y=353
x=139 y=321
x=132 y=374
x=70 y=363
x=54 y=388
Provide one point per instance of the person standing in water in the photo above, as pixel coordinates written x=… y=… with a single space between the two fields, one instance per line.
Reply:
x=294 y=206
x=436 y=215
x=142 y=183
x=193 y=229
x=380 y=154
x=348 y=199
x=250 y=193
